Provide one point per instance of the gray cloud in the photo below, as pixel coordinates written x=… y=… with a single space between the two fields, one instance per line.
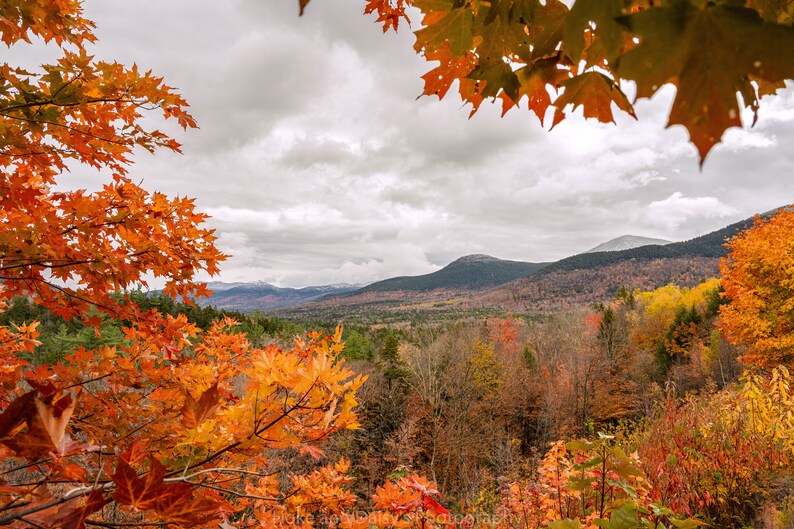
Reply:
x=319 y=164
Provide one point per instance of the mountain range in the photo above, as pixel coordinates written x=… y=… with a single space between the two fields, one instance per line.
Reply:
x=485 y=282
x=261 y=295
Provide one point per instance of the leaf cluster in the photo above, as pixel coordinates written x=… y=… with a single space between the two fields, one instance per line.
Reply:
x=722 y=56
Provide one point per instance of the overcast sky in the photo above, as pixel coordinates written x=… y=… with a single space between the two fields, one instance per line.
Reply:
x=319 y=165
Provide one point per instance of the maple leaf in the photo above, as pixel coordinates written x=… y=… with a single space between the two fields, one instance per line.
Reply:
x=452 y=28
x=15 y=415
x=709 y=54
x=74 y=472
x=177 y=504
x=302 y=5
x=389 y=12
x=450 y=68
x=194 y=412
x=496 y=77
x=432 y=505
x=139 y=493
x=595 y=92
x=311 y=450
x=46 y=412
x=546 y=30
x=53 y=415
x=68 y=515
x=535 y=80
x=136 y=454
x=603 y=13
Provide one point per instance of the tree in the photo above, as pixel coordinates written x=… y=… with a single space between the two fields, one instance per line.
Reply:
x=391 y=363
x=168 y=423
x=545 y=54
x=69 y=250
x=758 y=283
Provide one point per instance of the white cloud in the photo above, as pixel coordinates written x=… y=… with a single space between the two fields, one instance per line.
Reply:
x=678 y=209
x=738 y=140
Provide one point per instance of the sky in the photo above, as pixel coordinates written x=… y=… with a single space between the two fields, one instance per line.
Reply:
x=319 y=164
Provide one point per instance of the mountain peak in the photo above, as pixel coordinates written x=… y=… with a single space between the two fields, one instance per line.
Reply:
x=626 y=242
x=476 y=258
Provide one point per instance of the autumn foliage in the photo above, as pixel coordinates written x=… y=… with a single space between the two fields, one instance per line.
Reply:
x=176 y=424
x=72 y=249
x=585 y=484
x=721 y=56
x=758 y=278
x=716 y=455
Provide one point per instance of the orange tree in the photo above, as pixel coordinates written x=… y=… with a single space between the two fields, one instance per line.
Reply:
x=544 y=54
x=758 y=278
x=174 y=425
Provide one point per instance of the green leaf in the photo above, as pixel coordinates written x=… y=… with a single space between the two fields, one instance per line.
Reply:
x=454 y=27
x=497 y=76
x=624 y=517
x=579 y=484
x=581 y=444
x=689 y=523
x=608 y=31
x=547 y=28
x=660 y=510
x=499 y=38
x=625 y=487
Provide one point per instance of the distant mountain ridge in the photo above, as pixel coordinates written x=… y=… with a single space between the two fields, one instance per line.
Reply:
x=262 y=295
x=710 y=245
x=485 y=282
x=594 y=277
x=470 y=272
x=627 y=242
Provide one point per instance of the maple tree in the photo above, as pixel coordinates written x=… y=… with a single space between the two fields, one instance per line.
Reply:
x=170 y=424
x=757 y=278
x=550 y=56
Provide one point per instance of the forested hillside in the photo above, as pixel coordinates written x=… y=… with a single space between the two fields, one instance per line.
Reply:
x=259 y=295
x=710 y=245
x=469 y=273
x=571 y=282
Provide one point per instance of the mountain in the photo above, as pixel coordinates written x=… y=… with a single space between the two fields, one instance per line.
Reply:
x=595 y=277
x=471 y=272
x=578 y=280
x=481 y=282
x=626 y=242
x=261 y=295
